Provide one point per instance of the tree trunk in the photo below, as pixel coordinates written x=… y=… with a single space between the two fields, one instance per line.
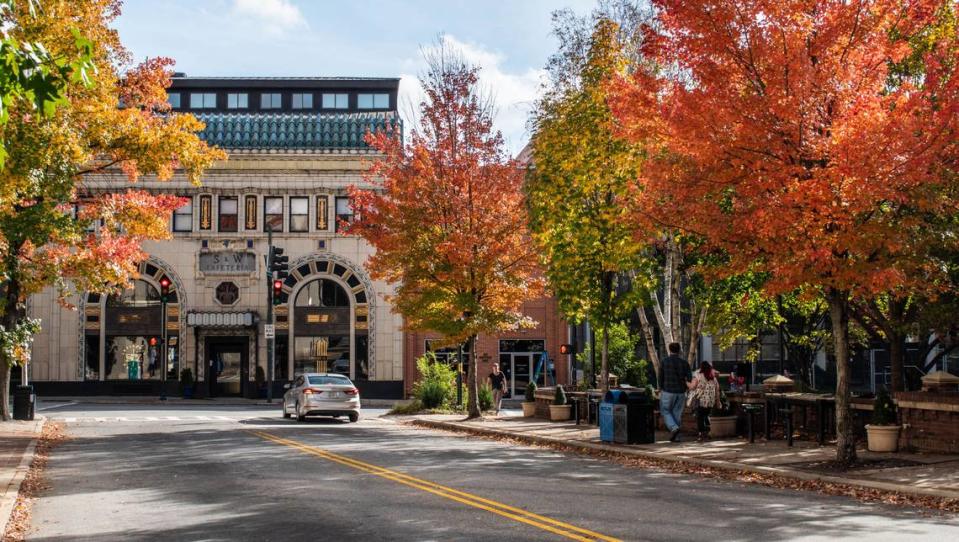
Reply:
x=5 y=396
x=845 y=439
x=472 y=383
x=605 y=359
x=675 y=308
x=9 y=319
x=650 y=342
x=695 y=332
x=896 y=360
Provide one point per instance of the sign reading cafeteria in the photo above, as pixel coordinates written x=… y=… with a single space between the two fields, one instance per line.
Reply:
x=227 y=262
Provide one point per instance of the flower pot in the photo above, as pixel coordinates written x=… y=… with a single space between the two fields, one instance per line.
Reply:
x=882 y=438
x=187 y=392
x=529 y=408
x=722 y=426
x=559 y=413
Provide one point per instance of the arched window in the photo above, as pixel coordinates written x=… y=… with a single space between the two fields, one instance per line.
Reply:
x=322 y=293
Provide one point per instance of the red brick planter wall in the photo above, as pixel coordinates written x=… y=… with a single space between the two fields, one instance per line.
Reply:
x=930 y=420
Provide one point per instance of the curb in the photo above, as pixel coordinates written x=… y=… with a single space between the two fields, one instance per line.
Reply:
x=370 y=403
x=8 y=499
x=712 y=463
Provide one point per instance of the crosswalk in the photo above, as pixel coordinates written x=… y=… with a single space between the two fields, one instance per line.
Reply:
x=148 y=419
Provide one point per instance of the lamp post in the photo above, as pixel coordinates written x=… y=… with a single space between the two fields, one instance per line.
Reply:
x=164 y=299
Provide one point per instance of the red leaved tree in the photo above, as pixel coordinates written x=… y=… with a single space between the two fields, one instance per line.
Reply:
x=446 y=215
x=787 y=144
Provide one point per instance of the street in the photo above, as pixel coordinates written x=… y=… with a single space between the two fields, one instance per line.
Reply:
x=240 y=473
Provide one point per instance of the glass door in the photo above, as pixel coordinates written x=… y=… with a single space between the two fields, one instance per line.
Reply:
x=522 y=368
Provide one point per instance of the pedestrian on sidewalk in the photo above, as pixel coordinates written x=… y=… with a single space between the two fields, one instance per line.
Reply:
x=497 y=383
x=703 y=397
x=675 y=380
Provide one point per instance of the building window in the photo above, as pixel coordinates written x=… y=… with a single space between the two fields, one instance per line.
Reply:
x=173 y=99
x=273 y=214
x=344 y=212
x=202 y=100
x=336 y=101
x=302 y=101
x=322 y=213
x=237 y=100
x=228 y=214
x=270 y=101
x=206 y=212
x=373 y=101
x=227 y=293
x=249 y=212
x=299 y=214
x=183 y=217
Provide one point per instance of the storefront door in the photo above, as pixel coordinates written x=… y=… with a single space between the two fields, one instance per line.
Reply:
x=518 y=367
x=227 y=365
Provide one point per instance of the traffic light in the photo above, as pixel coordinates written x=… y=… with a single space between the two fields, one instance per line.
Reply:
x=279 y=264
x=566 y=349
x=153 y=341
x=164 y=290
x=277 y=291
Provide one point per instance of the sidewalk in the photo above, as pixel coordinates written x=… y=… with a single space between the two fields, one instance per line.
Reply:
x=924 y=475
x=48 y=402
x=17 y=442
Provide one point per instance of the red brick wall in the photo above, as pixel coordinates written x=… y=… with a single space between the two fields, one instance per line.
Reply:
x=933 y=428
x=550 y=327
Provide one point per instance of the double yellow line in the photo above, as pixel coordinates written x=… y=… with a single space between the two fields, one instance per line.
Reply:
x=542 y=522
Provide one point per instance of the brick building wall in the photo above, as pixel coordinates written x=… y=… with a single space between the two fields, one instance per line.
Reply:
x=550 y=328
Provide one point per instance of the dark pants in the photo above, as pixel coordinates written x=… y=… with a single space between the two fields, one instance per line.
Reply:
x=702 y=420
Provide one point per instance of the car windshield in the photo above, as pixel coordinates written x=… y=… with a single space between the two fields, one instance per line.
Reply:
x=328 y=379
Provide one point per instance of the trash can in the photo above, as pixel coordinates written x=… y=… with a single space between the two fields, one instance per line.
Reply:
x=23 y=403
x=639 y=419
x=612 y=399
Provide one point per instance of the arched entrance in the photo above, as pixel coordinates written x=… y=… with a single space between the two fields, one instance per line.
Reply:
x=324 y=321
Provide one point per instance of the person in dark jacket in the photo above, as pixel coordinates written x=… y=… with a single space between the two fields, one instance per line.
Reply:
x=674 y=380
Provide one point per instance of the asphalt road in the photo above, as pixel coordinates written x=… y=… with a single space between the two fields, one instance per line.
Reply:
x=137 y=473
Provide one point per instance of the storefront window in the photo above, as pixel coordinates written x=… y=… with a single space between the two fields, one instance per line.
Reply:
x=322 y=354
x=91 y=346
x=133 y=358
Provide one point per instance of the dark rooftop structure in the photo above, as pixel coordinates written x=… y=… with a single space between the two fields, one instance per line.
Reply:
x=288 y=113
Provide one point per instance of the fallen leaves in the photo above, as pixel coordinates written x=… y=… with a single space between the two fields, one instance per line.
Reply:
x=33 y=484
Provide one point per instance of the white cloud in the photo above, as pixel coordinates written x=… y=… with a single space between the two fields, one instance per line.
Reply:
x=276 y=16
x=513 y=93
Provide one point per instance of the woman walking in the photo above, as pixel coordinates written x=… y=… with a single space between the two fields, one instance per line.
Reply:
x=704 y=396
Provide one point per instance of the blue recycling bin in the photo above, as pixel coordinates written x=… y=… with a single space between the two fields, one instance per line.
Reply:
x=606 y=408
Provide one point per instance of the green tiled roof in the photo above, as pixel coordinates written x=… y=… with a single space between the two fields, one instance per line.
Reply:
x=294 y=131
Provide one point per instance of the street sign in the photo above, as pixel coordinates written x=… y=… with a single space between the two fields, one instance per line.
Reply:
x=269 y=331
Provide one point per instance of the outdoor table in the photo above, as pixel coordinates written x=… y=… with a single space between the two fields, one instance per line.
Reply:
x=824 y=404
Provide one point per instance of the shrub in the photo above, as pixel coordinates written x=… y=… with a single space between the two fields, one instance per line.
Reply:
x=485 y=397
x=412 y=407
x=883 y=409
x=531 y=392
x=435 y=387
x=560 y=397
x=186 y=377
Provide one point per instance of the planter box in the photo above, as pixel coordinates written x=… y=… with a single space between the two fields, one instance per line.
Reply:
x=529 y=409
x=883 y=438
x=722 y=426
x=559 y=413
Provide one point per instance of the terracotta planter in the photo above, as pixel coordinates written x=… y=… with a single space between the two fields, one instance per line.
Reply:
x=722 y=426
x=529 y=408
x=559 y=413
x=882 y=438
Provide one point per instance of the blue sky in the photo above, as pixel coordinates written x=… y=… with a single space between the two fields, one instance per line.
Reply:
x=510 y=39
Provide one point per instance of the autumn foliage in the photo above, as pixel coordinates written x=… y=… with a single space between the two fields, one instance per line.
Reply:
x=445 y=214
x=785 y=136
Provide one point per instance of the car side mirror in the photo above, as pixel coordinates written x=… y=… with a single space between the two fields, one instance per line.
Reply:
x=286 y=386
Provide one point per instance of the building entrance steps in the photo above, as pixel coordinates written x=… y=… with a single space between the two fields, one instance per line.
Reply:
x=928 y=475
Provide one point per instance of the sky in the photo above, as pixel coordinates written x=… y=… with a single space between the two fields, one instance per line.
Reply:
x=509 y=39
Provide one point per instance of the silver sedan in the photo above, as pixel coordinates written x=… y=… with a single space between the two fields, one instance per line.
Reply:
x=321 y=394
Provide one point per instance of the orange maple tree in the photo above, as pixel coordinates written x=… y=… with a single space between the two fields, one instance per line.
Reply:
x=785 y=142
x=446 y=216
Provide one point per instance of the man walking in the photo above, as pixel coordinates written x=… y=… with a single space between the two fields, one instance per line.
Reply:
x=497 y=383
x=674 y=379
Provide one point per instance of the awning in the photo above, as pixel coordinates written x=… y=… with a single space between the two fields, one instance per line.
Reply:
x=221 y=319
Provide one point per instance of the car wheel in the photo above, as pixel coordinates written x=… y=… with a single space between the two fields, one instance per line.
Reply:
x=354 y=417
x=299 y=417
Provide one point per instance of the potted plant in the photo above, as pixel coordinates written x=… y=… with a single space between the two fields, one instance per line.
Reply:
x=259 y=378
x=882 y=435
x=559 y=411
x=186 y=383
x=529 y=405
x=722 y=420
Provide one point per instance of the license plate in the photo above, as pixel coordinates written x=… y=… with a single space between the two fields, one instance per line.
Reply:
x=335 y=395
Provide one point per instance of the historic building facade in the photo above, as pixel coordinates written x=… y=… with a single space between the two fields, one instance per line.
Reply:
x=295 y=145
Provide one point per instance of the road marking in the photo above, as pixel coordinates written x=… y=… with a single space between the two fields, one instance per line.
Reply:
x=517 y=514
x=57 y=406
x=70 y=420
